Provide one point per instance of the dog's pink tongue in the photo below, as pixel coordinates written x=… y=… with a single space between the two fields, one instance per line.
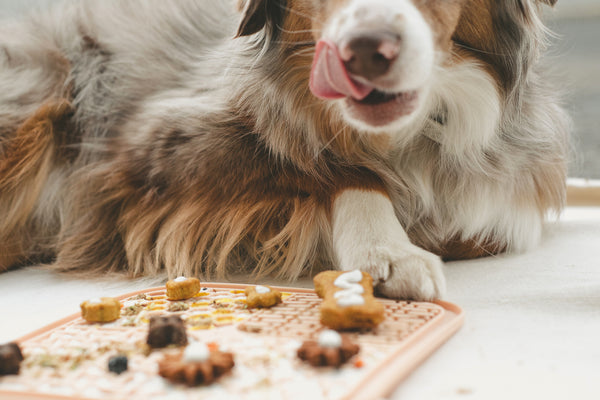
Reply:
x=329 y=78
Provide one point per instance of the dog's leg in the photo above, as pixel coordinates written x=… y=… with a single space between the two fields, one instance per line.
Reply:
x=368 y=236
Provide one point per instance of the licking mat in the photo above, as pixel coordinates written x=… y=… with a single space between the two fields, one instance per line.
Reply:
x=68 y=359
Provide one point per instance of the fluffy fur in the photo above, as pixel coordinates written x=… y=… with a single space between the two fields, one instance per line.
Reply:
x=145 y=135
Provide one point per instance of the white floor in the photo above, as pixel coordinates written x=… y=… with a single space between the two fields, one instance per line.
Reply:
x=531 y=330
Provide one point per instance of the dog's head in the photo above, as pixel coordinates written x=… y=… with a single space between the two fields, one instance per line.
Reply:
x=378 y=59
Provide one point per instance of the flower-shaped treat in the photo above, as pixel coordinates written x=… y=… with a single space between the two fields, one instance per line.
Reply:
x=197 y=365
x=330 y=350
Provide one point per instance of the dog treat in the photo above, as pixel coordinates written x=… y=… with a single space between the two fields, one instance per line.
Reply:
x=118 y=364
x=182 y=288
x=105 y=309
x=262 y=297
x=10 y=359
x=348 y=301
x=196 y=365
x=330 y=350
x=76 y=359
x=164 y=331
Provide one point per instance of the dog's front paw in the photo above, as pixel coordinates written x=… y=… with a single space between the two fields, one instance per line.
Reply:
x=368 y=236
x=405 y=272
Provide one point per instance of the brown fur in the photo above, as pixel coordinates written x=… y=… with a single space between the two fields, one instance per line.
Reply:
x=27 y=160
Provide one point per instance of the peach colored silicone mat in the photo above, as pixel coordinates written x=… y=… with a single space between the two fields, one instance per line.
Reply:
x=68 y=360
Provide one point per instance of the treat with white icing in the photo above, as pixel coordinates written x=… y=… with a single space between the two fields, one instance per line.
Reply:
x=182 y=288
x=348 y=301
x=330 y=350
x=262 y=297
x=105 y=309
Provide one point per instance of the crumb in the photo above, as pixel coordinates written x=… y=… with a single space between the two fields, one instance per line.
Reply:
x=179 y=306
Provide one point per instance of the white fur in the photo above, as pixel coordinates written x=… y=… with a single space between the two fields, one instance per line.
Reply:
x=414 y=65
x=470 y=99
x=368 y=236
x=484 y=207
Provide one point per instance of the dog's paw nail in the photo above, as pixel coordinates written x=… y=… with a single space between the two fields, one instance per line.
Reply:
x=416 y=276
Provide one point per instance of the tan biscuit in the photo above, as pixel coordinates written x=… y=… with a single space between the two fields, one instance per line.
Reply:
x=182 y=288
x=348 y=301
x=262 y=297
x=105 y=309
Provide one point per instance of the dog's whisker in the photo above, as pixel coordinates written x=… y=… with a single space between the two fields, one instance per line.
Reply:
x=464 y=46
x=300 y=31
x=326 y=145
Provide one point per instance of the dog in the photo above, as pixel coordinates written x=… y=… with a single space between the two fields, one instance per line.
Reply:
x=281 y=137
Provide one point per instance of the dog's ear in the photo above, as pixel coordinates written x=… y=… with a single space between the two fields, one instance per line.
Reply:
x=257 y=14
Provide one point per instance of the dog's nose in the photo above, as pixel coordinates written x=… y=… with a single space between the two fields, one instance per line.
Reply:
x=370 y=55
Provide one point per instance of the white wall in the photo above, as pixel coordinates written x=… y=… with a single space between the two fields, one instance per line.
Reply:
x=577 y=8
x=12 y=7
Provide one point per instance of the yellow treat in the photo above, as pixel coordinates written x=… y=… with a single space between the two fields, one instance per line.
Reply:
x=182 y=288
x=262 y=297
x=105 y=309
x=348 y=301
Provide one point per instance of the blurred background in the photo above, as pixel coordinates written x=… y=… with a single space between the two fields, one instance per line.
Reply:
x=575 y=55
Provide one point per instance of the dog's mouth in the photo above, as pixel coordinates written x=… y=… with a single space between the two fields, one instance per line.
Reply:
x=379 y=109
x=330 y=80
x=376 y=98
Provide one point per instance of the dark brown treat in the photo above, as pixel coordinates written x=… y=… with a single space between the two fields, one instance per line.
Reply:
x=166 y=330
x=319 y=356
x=10 y=359
x=176 y=370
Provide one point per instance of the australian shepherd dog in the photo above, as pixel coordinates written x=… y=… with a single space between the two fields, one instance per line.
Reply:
x=201 y=137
